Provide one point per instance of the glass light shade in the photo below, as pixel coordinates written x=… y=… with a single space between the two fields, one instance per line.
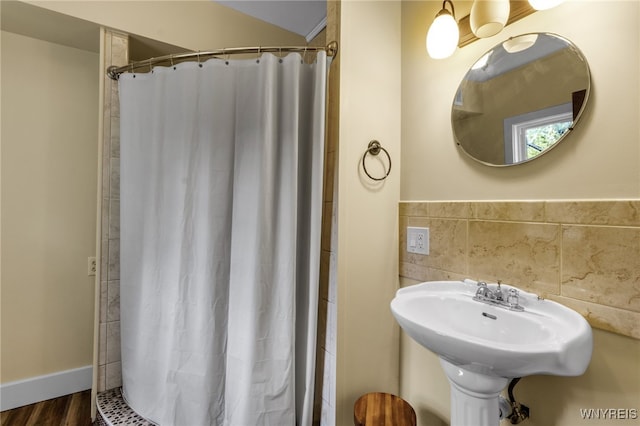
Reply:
x=544 y=4
x=488 y=17
x=443 y=36
x=520 y=43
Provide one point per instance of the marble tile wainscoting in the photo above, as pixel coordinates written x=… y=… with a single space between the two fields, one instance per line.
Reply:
x=582 y=254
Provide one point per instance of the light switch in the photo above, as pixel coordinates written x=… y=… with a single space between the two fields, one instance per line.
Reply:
x=417 y=240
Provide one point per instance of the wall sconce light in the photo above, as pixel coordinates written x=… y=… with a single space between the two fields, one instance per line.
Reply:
x=488 y=17
x=443 y=34
x=518 y=9
x=544 y=4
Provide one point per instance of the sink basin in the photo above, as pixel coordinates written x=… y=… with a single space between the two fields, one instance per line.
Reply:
x=544 y=338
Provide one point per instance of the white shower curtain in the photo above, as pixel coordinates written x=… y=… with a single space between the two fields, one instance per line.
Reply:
x=221 y=201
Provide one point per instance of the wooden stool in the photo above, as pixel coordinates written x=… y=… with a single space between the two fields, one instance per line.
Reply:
x=383 y=409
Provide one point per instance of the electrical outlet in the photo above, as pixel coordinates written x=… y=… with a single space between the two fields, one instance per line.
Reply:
x=91 y=266
x=417 y=240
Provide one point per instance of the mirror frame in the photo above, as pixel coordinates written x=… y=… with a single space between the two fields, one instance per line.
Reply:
x=575 y=121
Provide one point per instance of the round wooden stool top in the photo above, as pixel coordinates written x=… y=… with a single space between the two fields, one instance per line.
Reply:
x=383 y=409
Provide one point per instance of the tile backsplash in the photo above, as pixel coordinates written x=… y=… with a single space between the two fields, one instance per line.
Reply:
x=583 y=254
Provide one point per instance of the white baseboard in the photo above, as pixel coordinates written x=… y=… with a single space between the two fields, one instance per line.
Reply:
x=40 y=388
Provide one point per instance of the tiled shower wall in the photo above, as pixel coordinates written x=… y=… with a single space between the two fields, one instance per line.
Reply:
x=325 y=386
x=116 y=48
x=583 y=254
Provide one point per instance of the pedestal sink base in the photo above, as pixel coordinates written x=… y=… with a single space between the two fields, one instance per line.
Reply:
x=474 y=396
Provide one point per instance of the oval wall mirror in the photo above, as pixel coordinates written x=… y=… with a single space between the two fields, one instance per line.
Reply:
x=520 y=99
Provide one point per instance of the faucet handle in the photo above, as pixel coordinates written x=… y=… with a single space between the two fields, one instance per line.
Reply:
x=482 y=291
x=513 y=299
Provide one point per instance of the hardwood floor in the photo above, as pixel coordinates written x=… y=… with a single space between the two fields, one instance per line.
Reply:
x=69 y=410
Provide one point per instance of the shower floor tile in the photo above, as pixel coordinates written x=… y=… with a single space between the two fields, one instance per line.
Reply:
x=114 y=411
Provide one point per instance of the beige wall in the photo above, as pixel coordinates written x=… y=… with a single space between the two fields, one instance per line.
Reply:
x=600 y=160
x=367 y=269
x=49 y=151
x=194 y=25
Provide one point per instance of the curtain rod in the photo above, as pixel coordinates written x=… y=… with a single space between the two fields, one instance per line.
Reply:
x=114 y=72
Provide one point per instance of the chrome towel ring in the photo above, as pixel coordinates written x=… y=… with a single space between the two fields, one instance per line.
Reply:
x=374 y=149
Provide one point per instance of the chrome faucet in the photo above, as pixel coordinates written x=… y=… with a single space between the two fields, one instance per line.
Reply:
x=496 y=297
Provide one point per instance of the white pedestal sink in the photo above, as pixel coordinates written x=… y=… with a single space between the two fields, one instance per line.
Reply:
x=484 y=344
